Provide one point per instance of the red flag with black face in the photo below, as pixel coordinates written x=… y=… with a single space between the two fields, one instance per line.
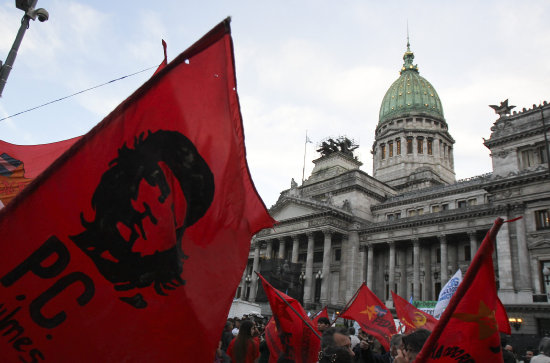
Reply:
x=298 y=340
x=118 y=250
x=468 y=329
x=411 y=317
x=321 y=314
x=372 y=315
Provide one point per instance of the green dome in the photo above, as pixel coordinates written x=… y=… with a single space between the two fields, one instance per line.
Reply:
x=410 y=94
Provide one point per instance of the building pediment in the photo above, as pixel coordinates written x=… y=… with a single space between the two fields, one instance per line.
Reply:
x=542 y=242
x=289 y=208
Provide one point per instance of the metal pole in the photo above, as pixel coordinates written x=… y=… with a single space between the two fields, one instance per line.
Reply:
x=6 y=68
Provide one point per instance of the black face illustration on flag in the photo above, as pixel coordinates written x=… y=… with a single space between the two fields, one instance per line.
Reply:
x=139 y=213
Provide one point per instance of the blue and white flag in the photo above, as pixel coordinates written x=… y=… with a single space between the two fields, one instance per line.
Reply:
x=447 y=293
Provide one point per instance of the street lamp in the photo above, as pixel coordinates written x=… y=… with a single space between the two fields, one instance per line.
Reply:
x=515 y=322
x=28 y=6
x=319 y=275
x=302 y=277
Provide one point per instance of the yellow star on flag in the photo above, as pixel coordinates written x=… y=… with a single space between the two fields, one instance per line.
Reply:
x=485 y=319
x=370 y=311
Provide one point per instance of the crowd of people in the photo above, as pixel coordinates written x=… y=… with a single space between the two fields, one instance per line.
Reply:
x=243 y=341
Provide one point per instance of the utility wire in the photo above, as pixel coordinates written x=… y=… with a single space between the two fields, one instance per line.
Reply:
x=77 y=93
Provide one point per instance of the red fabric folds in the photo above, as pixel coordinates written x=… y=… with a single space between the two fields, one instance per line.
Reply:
x=130 y=246
x=297 y=340
x=372 y=315
x=411 y=317
x=20 y=164
x=468 y=329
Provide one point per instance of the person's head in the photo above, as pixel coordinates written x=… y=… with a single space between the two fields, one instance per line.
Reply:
x=323 y=324
x=509 y=348
x=413 y=343
x=351 y=330
x=246 y=332
x=336 y=337
x=335 y=355
x=237 y=323
x=228 y=325
x=528 y=355
x=544 y=346
x=396 y=342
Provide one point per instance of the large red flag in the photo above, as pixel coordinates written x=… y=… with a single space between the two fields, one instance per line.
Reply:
x=321 y=314
x=372 y=315
x=118 y=250
x=411 y=317
x=299 y=341
x=20 y=164
x=468 y=330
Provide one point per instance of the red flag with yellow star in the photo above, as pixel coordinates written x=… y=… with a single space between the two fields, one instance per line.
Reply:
x=412 y=317
x=468 y=329
x=372 y=315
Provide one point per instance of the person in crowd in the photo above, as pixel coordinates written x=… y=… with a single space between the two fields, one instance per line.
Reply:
x=227 y=335
x=354 y=338
x=510 y=349
x=245 y=348
x=527 y=357
x=544 y=352
x=364 y=353
x=221 y=356
x=333 y=354
x=336 y=337
x=412 y=345
x=323 y=324
x=236 y=326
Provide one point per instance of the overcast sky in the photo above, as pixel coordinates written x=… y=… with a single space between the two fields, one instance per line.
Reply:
x=321 y=66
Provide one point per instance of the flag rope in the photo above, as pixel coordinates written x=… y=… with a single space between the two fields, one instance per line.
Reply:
x=77 y=93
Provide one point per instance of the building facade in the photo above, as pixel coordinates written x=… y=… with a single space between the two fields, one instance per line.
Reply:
x=410 y=226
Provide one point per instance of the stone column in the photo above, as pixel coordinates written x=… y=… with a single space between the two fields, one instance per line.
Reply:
x=269 y=249
x=325 y=284
x=416 y=269
x=308 y=297
x=370 y=266
x=473 y=243
x=391 y=269
x=243 y=284
x=525 y=281
x=282 y=248
x=503 y=250
x=444 y=267
x=255 y=265
x=354 y=277
x=295 y=245
x=362 y=256
x=344 y=276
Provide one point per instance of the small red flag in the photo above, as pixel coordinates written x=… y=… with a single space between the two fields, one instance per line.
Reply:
x=411 y=317
x=20 y=164
x=299 y=341
x=468 y=329
x=372 y=315
x=118 y=250
x=321 y=314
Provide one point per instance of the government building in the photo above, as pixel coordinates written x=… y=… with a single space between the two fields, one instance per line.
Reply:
x=411 y=225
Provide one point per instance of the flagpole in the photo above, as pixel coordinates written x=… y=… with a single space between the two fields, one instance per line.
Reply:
x=349 y=302
x=294 y=310
x=304 y=167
